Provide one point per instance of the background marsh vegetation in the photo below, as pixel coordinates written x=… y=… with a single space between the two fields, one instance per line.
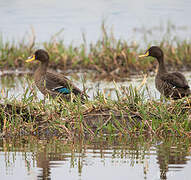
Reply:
x=108 y=57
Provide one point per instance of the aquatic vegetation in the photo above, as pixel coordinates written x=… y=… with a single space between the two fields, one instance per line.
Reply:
x=131 y=115
x=111 y=58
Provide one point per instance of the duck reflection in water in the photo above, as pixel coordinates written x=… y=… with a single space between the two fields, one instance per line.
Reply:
x=168 y=155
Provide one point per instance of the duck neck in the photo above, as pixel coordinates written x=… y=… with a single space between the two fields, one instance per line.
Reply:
x=162 y=68
x=41 y=70
x=43 y=67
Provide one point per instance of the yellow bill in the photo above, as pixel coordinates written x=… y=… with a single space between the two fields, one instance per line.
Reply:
x=144 y=55
x=32 y=58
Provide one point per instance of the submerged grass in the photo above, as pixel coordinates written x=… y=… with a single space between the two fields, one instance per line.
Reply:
x=131 y=115
x=112 y=58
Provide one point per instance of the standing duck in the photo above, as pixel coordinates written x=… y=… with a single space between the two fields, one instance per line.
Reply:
x=50 y=83
x=173 y=85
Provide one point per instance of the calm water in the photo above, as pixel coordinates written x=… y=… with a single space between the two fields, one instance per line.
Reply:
x=101 y=160
x=15 y=86
x=127 y=18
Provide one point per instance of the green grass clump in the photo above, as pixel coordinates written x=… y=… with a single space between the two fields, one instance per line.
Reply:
x=130 y=115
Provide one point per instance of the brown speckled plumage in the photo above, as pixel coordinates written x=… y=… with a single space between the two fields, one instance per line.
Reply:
x=172 y=85
x=48 y=82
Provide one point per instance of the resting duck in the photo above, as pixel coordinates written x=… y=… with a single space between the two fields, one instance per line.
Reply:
x=173 y=85
x=50 y=83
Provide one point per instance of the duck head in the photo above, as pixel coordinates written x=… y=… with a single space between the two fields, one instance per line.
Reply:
x=40 y=55
x=153 y=51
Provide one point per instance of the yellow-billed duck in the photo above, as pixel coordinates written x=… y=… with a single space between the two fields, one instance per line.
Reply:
x=51 y=83
x=173 y=85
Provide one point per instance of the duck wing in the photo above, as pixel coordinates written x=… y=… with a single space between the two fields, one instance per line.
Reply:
x=61 y=84
x=176 y=79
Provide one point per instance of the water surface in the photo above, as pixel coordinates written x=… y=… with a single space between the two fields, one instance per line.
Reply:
x=42 y=159
x=15 y=86
x=128 y=18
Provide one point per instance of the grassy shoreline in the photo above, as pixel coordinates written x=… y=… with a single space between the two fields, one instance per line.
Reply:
x=111 y=58
x=130 y=115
